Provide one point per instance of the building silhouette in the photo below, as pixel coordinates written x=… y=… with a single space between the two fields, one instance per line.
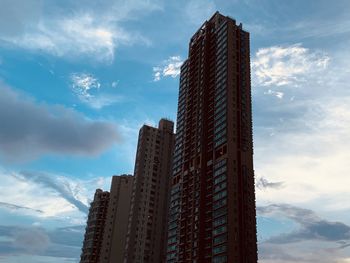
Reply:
x=212 y=214
x=146 y=235
x=116 y=223
x=95 y=226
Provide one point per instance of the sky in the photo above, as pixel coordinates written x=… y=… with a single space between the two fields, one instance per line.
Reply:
x=79 y=78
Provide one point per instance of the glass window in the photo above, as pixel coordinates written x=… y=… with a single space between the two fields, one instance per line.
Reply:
x=220 y=259
x=220 y=195
x=220 y=187
x=220 y=239
x=219 y=212
x=219 y=250
x=219 y=221
x=220 y=170
x=219 y=203
x=220 y=179
x=219 y=230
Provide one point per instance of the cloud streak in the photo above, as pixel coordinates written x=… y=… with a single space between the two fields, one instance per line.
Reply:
x=14 y=207
x=30 y=129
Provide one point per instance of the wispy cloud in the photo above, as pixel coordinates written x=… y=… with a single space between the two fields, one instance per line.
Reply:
x=32 y=194
x=170 y=67
x=30 y=129
x=286 y=65
x=70 y=31
x=263 y=184
x=88 y=89
x=82 y=83
x=79 y=35
x=62 y=186
x=311 y=134
x=278 y=94
x=45 y=195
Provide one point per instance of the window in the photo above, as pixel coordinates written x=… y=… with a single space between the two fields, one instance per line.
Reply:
x=220 y=187
x=220 y=221
x=220 y=179
x=219 y=203
x=220 y=259
x=220 y=239
x=219 y=250
x=219 y=171
x=219 y=230
x=220 y=212
x=220 y=141
x=219 y=195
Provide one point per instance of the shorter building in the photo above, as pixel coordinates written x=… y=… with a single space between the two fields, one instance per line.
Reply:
x=116 y=224
x=95 y=226
x=147 y=229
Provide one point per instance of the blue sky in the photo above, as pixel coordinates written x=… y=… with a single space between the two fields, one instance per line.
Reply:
x=79 y=78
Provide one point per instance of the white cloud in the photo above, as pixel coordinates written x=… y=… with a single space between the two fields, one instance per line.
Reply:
x=71 y=31
x=72 y=36
x=286 y=65
x=311 y=158
x=170 y=67
x=33 y=195
x=47 y=195
x=114 y=84
x=309 y=151
x=82 y=83
x=87 y=88
x=278 y=94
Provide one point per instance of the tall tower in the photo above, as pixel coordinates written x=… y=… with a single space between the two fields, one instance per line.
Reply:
x=146 y=235
x=116 y=222
x=212 y=215
x=94 y=230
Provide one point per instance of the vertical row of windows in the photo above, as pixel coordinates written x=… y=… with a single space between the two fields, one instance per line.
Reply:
x=220 y=86
x=244 y=80
x=174 y=210
x=219 y=223
x=178 y=156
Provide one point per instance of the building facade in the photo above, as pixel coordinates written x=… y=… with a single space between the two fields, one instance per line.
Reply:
x=95 y=226
x=147 y=229
x=212 y=216
x=116 y=223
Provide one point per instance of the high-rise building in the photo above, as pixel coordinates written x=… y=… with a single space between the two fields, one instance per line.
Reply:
x=116 y=222
x=94 y=230
x=212 y=214
x=146 y=235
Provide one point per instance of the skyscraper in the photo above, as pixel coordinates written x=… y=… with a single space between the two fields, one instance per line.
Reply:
x=212 y=210
x=117 y=217
x=94 y=230
x=146 y=235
